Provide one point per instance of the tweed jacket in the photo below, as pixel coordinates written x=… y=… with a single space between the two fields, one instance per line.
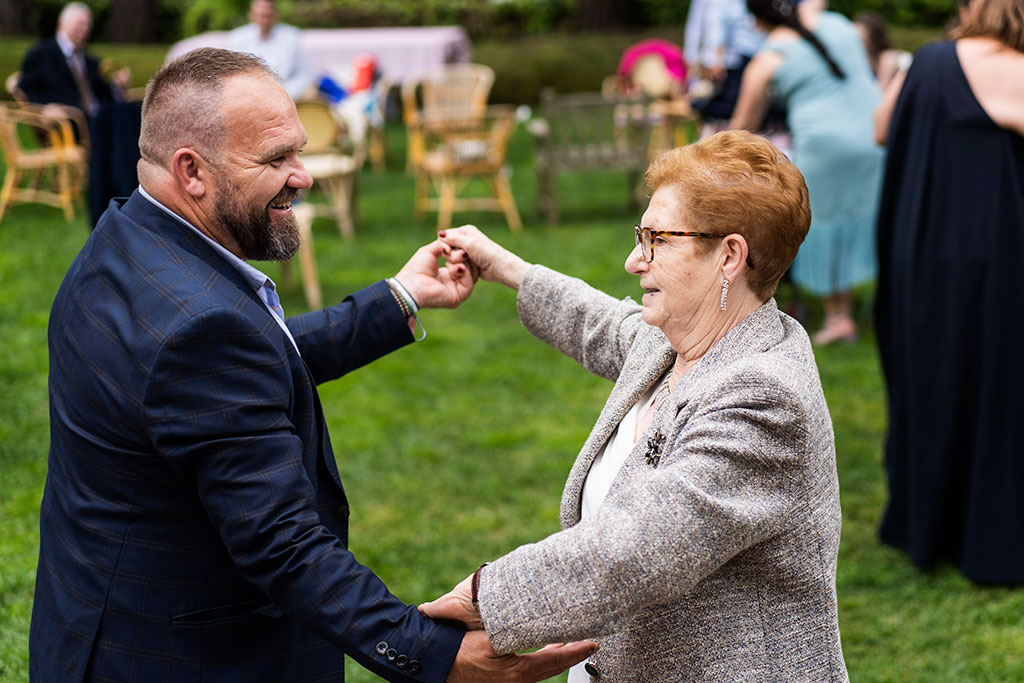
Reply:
x=193 y=524
x=718 y=562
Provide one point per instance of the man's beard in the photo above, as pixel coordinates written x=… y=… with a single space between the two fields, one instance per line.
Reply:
x=258 y=238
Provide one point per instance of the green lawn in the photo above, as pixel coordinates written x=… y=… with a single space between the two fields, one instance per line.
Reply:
x=455 y=450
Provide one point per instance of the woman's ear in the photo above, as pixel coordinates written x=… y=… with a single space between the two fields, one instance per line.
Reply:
x=190 y=171
x=734 y=252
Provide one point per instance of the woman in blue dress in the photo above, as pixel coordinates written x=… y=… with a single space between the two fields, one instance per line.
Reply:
x=816 y=63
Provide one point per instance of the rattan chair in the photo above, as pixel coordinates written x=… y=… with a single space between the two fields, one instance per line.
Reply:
x=454 y=91
x=333 y=158
x=40 y=149
x=465 y=148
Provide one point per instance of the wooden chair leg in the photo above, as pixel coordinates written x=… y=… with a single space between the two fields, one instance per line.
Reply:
x=547 y=193
x=64 y=190
x=446 y=203
x=503 y=191
x=421 y=194
x=307 y=257
x=340 y=199
x=6 y=194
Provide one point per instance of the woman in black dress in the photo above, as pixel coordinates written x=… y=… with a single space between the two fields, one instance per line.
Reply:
x=949 y=307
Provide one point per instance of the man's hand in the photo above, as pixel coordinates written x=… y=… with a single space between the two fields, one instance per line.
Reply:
x=493 y=262
x=477 y=661
x=431 y=285
x=456 y=605
x=122 y=78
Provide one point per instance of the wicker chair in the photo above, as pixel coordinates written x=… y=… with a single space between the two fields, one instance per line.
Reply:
x=455 y=91
x=464 y=149
x=41 y=149
x=333 y=158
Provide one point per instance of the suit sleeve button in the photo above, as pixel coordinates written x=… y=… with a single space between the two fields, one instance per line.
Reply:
x=391 y=654
x=414 y=667
x=381 y=648
x=592 y=669
x=402 y=661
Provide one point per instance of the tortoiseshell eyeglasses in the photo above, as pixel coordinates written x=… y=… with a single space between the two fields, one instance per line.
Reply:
x=645 y=238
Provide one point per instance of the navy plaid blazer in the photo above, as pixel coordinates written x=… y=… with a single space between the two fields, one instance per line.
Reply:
x=193 y=524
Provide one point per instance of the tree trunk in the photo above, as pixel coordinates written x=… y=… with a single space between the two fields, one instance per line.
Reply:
x=604 y=14
x=131 y=21
x=16 y=19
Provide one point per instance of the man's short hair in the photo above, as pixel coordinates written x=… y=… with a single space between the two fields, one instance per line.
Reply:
x=184 y=102
x=72 y=8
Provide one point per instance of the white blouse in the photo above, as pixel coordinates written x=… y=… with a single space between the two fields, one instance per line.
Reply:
x=603 y=471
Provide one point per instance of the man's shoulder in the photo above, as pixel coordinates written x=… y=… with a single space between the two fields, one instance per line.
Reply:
x=287 y=32
x=244 y=34
x=45 y=47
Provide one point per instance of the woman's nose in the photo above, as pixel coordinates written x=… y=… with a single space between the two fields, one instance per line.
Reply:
x=635 y=262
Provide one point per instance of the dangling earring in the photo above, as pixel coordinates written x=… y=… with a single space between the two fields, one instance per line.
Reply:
x=725 y=292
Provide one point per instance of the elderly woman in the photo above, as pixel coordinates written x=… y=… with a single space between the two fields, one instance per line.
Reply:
x=701 y=518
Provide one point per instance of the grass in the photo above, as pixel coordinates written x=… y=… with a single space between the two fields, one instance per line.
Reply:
x=455 y=450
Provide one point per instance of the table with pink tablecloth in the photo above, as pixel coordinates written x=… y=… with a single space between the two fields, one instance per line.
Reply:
x=401 y=52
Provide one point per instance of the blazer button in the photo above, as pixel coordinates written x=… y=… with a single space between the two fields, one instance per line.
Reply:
x=402 y=661
x=592 y=669
x=414 y=666
x=391 y=654
x=381 y=648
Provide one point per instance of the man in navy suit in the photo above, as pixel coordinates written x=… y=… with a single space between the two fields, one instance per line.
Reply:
x=193 y=524
x=58 y=71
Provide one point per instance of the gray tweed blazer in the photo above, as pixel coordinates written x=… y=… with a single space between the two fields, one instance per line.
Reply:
x=719 y=562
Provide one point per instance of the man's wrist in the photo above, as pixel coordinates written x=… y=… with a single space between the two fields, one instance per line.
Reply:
x=407 y=304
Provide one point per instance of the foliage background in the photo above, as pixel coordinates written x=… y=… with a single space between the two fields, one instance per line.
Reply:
x=169 y=20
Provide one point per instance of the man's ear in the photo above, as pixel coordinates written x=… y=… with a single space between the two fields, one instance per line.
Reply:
x=191 y=171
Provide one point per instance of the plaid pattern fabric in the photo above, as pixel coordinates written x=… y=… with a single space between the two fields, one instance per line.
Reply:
x=193 y=525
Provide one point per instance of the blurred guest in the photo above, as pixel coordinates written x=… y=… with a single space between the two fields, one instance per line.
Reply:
x=820 y=69
x=885 y=61
x=58 y=71
x=276 y=44
x=701 y=519
x=948 y=307
x=728 y=39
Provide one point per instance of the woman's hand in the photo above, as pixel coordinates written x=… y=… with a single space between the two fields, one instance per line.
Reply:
x=488 y=259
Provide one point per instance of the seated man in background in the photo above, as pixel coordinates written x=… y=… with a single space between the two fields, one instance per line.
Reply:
x=58 y=71
x=276 y=44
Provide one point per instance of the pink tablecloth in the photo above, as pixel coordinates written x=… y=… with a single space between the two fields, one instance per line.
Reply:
x=401 y=52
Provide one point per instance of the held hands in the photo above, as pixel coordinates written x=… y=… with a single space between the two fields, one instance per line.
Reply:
x=434 y=286
x=477 y=660
x=488 y=259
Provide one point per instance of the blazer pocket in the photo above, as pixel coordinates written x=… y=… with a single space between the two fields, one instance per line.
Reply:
x=223 y=614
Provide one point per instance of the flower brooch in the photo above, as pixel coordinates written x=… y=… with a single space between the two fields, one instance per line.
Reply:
x=654 y=444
